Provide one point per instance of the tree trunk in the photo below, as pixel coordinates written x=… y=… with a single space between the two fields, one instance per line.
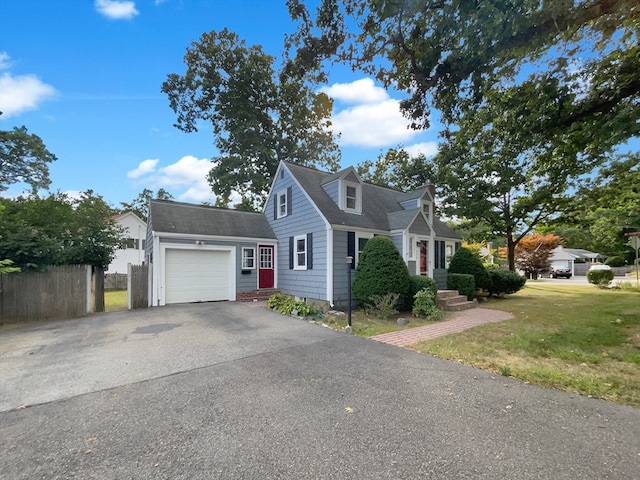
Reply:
x=511 y=250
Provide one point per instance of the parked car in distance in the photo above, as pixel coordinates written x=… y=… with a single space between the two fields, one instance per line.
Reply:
x=559 y=271
x=599 y=267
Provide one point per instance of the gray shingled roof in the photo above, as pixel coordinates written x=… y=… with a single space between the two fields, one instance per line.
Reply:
x=381 y=208
x=176 y=217
x=402 y=219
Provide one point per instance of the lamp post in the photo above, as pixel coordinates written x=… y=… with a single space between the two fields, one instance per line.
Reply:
x=349 y=262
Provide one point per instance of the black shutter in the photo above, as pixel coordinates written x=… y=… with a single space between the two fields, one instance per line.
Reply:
x=309 y=251
x=275 y=207
x=289 y=201
x=351 y=247
x=290 y=253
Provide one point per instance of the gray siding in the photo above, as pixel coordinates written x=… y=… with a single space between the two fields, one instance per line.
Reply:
x=304 y=219
x=332 y=190
x=340 y=273
x=412 y=265
x=148 y=248
x=420 y=227
x=351 y=177
x=397 y=241
x=440 y=276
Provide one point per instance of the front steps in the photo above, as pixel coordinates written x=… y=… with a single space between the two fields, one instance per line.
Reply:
x=452 y=301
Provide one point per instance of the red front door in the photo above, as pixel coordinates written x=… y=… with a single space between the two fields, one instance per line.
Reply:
x=265 y=266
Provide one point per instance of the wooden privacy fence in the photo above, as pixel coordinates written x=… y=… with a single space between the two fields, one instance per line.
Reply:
x=63 y=291
x=138 y=286
x=115 y=281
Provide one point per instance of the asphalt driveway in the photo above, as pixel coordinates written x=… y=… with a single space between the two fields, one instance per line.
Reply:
x=226 y=391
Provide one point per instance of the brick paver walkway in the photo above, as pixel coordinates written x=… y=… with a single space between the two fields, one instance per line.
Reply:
x=460 y=321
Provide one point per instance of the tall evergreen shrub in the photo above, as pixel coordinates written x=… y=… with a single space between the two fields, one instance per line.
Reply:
x=380 y=270
x=464 y=261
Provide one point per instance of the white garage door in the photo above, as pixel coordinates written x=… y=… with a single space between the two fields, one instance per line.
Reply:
x=196 y=275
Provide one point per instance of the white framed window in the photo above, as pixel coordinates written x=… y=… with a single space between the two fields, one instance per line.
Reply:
x=352 y=197
x=426 y=209
x=300 y=252
x=282 y=204
x=361 y=241
x=411 y=247
x=248 y=258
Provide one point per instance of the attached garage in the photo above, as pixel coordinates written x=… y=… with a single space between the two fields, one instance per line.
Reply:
x=197 y=275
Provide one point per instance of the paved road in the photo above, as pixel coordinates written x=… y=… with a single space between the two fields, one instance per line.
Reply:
x=226 y=391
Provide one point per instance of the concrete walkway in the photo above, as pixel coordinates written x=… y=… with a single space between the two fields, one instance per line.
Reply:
x=461 y=321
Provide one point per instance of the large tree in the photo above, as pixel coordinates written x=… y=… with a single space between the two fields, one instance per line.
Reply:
x=532 y=94
x=57 y=230
x=397 y=169
x=140 y=204
x=258 y=116
x=24 y=158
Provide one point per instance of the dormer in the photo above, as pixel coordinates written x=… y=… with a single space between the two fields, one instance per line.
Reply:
x=345 y=188
x=422 y=198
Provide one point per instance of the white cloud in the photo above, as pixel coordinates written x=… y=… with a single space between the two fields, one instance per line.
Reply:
x=428 y=149
x=372 y=125
x=188 y=174
x=116 y=10
x=21 y=93
x=357 y=92
x=145 y=167
x=372 y=119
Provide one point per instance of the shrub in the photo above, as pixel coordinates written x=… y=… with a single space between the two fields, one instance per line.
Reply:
x=505 y=281
x=464 y=261
x=615 y=261
x=384 y=306
x=464 y=283
x=286 y=305
x=424 y=305
x=380 y=270
x=419 y=282
x=600 y=277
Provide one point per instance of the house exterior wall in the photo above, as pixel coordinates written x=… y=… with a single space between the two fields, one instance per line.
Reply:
x=420 y=227
x=136 y=230
x=333 y=190
x=340 y=273
x=303 y=219
x=409 y=204
x=440 y=276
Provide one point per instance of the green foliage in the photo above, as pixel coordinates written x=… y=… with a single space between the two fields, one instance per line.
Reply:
x=57 y=230
x=383 y=306
x=381 y=270
x=419 y=282
x=615 y=261
x=464 y=283
x=601 y=278
x=505 y=282
x=286 y=305
x=258 y=116
x=24 y=158
x=424 y=305
x=396 y=169
x=464 y=261
x=140 y=204
x=6 y=266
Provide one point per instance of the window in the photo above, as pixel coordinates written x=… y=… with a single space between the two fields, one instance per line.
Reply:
x=143 y=244
x=440 y=258
x=361 y=241
x=300 y=253
x=411 y=248
x=128 y=243
x=266 y=258
x=282 y=204
x=426 y=209
x=352 y=197
x=248 y=258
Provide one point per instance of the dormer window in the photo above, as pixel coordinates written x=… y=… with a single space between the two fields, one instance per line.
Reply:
x=426 y=209
x=352 y=197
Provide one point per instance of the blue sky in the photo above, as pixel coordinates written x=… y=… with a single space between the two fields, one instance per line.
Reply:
x=85 y=76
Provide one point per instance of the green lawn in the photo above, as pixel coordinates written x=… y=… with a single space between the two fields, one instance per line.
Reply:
x=115 y=300
x=574 y=338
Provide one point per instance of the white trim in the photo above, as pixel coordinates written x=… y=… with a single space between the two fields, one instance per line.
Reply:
x=410 y=244
x=330 y=266
x=360 y=235
x=161 y=263
x=296 y=265
x=195 y=236
x=282 y=193
x=242 y=267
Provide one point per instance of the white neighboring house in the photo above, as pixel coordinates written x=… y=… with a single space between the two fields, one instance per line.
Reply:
x=133 y=245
